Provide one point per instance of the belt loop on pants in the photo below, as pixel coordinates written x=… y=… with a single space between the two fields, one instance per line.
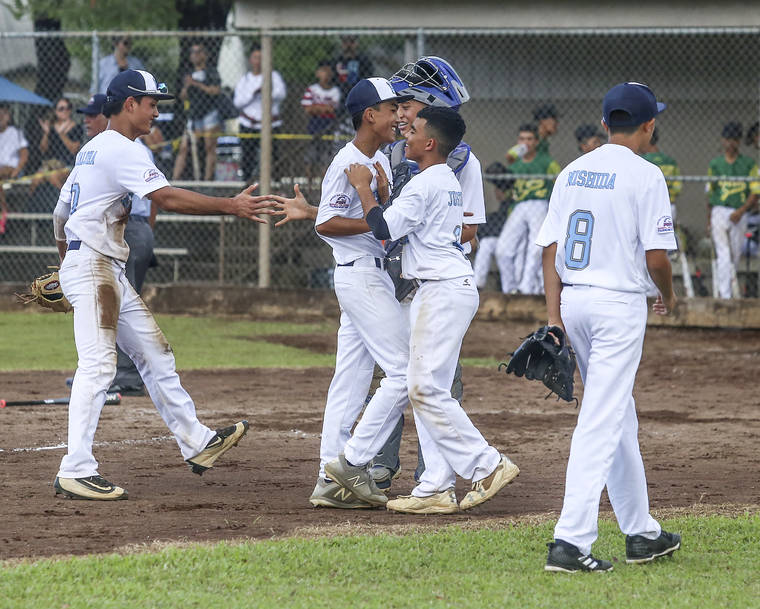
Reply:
x=366 y=261
x=74 y=245
x=418 y=282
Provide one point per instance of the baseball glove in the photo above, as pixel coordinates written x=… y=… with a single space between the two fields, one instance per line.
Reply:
x=546 y=356
x=46 y=292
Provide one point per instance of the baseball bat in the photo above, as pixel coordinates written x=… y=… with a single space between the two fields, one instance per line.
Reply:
x=111 y=399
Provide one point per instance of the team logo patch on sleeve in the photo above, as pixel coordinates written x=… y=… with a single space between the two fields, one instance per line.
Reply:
x=152 y=174
x=665 y=225
x=339 y=201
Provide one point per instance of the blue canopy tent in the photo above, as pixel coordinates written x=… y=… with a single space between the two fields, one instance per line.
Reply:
x=11 y=92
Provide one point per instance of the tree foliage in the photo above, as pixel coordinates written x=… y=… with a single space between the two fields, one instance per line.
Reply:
x=102 y=14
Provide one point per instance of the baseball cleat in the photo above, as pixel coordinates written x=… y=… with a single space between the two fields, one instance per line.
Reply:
x=484 y=489
x=444 y=502
x=566 y=558
x=92 y=488
x=639 y=549
x=218 y=445
x=333 y=495
x=356 y=479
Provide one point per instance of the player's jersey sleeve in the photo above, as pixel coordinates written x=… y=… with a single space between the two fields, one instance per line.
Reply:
x=550 y=231
x=754 y=187
x=336 y=194
x=711 y=187
x=136 y=173
x=408 y=210
x=473 y=201
x=655 y=224
x=553 y=169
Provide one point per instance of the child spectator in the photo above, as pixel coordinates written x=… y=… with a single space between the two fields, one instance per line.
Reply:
x=320 y=101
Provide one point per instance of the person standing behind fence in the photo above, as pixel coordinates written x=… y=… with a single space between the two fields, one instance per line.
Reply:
x=669 y=168
x=60 y=141
x=320 y=101
x=116 y=62
x=589 y=138
x=727 y=203
x=200 y=90
x=531 y=196
x=489 y=232
x=247 y=99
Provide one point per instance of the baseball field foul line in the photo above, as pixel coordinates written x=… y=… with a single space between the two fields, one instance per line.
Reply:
x=64 y=445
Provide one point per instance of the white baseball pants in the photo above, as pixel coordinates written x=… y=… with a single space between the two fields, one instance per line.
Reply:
x=517 y=245
x=728 y=238
x=606 y=329
x=440 y=313
x=372 y=329
x=107 y=310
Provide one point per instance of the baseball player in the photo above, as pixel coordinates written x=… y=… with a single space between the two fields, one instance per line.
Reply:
x=608 y=224
x=727 y=204
x=429 y=212
x=588 y=138
x=668 y=166
x=372 y=326
x=531 y=201
x=89 y=221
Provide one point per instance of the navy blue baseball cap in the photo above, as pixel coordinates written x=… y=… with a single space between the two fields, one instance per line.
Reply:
x=369 y=92
x=635 y=100
x=94 y=106
x=136 y=83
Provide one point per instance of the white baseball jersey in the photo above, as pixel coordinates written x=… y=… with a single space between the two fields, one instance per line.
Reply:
x=607 y=208
x=98 y=191
x=429 y=211
x=339 y=198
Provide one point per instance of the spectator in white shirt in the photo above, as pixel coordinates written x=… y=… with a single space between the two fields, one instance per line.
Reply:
x=247 y=100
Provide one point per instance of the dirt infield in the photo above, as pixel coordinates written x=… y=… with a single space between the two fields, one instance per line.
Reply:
x=699 y=429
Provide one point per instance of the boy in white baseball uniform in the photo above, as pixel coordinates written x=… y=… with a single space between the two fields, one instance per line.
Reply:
x=429 y=212
x=371 y=324
x=608 y=224
x=89 y=222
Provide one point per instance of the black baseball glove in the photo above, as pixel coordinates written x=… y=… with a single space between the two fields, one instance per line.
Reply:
x=546 y=356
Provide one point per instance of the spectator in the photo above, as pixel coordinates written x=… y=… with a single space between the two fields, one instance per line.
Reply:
x=60 y=140
x=350 y=65
x=94 y=120
x=589 y=138
x=488 y=235
x=14 y=149
x=531 y=197
x=320 y=102
x=200 y=89
x=669 y=169
x=727 y=204
x=752 y=136
x=247 y=100
x=116 y=62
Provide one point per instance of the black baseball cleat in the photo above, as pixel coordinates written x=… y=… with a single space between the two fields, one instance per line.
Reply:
x=566 y=558
x=128 y=390
x=92 y=488
x=218 y=445
x=639 y=549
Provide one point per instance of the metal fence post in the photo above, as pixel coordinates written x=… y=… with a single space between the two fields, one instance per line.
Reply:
x=95 y=63
x=265 y=171
x=420 y=42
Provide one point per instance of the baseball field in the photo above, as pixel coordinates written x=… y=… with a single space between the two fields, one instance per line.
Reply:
x=245 y=535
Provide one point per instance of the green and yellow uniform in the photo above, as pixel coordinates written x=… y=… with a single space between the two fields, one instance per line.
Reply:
x=669 y=168
x=538 y=188
x=543 y=146
x=729 y=193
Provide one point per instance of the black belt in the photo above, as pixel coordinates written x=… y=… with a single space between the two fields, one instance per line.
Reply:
x=378 y=263
x=74 y=245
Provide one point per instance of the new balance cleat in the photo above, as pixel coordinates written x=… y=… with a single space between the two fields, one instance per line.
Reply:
x=92 y=488
x=333 y=495
x=444 y=502
x=218 y=445
x=484 y=489
x=566 y=558
x=639 y=549
x=356 y=479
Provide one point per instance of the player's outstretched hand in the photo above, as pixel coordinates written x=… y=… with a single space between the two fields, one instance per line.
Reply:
x=383 y=184
x=662 y=307
x=245 y=205
x=297 y=208
x=359 y=175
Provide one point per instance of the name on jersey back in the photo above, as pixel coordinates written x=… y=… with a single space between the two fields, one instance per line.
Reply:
x=86 y=157
x=591 y=179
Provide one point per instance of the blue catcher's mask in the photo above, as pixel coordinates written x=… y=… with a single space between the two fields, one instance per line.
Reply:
x=432 y=81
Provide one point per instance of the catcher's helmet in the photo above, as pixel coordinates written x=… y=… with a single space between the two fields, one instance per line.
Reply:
x=432 y=81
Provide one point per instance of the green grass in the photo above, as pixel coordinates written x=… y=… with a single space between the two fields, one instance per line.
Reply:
x=717 y=567
x=39 y=341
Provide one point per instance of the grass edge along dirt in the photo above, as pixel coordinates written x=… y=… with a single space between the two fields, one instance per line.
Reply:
x=453 y=566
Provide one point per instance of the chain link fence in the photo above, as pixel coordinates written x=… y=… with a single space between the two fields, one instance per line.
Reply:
x=211 y=139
